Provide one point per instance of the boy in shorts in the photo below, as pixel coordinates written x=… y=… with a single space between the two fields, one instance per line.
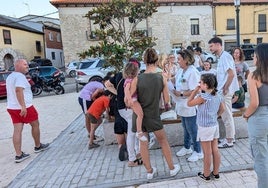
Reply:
x=94 y=113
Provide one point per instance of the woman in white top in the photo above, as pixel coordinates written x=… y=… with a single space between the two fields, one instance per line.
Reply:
x=186 y=80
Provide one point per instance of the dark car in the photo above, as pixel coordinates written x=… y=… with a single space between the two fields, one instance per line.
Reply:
x=40 y=62
x=248 y=50
x=46 y=72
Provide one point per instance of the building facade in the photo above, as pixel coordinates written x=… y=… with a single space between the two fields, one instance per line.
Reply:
x=18 y=41
x=252 y=19
x=176 y=24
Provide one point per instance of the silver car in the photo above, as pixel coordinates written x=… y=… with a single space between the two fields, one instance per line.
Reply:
x=90 y=69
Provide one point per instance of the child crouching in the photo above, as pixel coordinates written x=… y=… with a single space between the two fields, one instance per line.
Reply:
x=94 y=113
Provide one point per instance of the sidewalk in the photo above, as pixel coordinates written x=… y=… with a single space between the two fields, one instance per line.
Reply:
x=68 y=163
x=56 y=112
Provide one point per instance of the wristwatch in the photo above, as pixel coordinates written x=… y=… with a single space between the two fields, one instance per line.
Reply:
x=181 y=94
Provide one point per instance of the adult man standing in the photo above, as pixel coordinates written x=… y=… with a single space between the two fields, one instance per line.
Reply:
x=227 y=85
x=21 y=109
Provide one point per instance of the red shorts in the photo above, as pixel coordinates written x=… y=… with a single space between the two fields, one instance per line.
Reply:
x=31 y=116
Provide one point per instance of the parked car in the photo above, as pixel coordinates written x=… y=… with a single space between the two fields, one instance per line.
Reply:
x=71 y=67
x=209 y=57
x=40 y=62
x=248 y=50
x=91 y=69
x=3 y=77
x=47 y=71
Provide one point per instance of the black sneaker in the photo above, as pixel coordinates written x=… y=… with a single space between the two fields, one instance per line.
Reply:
x=216 y=177
x=203 y=177
x=93 y=145
x=42 y=147
x=22 y=157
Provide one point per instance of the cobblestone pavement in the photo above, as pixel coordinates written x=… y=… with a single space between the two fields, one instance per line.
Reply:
x=68 y=163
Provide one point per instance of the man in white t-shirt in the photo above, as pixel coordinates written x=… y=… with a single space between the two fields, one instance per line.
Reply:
x=21 y=109
x=227 y=85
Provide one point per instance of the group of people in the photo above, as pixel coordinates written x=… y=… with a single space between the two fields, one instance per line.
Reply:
x=200 y=97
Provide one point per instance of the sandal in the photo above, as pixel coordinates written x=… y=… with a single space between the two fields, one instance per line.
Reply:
x=138 y=161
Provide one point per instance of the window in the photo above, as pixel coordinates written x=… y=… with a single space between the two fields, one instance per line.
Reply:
x=259 y=40
x=50 y=35
x=58 y=37
x=7 y=37
x=195 y=26
x=53 y=56
x=38 y=46
x=230 y=24
x=246 y=41
x=262 y=23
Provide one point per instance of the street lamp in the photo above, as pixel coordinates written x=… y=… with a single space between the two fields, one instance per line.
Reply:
x=237 y=5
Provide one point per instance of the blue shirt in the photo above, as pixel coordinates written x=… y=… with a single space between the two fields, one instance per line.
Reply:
x=207 y=112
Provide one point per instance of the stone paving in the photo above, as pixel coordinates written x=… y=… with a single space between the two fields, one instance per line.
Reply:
x=68 y=163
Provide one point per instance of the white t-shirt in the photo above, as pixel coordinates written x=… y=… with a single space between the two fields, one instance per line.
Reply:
x=210 y=71
x=225 y=63
x=17 y=79
x=184 y=81
x=197 y=59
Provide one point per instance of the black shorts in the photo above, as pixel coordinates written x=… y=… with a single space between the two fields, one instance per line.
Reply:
x=120 y=125
x=84 y=104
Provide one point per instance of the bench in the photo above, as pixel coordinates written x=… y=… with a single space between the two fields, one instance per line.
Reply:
x=174 y=130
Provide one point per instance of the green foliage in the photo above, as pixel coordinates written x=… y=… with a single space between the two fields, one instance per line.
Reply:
x=118 y=38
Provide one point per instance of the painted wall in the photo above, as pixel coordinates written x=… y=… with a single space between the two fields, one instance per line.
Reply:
x=23 y=41
x=248 y=22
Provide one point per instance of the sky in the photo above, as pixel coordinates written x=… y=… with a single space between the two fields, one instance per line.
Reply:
x=19 y=8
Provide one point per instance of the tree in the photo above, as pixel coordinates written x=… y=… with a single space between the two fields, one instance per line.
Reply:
x=118 y=37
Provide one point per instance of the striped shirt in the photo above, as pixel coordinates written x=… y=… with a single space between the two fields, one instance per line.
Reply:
x=207 y=112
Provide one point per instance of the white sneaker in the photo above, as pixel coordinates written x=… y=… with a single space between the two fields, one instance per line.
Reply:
x=225 y=144
x=225 y=140
x=175 y=171
x=196 y=156
x=183 y=151
x=151 y=175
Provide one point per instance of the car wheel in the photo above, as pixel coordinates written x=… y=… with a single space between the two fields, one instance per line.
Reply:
x=95 y=78
x=72 y=73
x=210 y=60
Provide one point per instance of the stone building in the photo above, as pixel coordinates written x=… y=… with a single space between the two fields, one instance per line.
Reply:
x=178 y=23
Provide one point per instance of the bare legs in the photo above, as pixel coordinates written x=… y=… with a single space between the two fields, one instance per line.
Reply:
x=162 y=139
x=211 y=151
x=17 y=135
x=87 y=124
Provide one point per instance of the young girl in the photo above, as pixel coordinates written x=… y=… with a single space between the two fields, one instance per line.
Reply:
x=130 y=71
x=208 y=69
x=210 y=106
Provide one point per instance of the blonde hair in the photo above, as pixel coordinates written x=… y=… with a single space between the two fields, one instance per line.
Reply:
x=162 y=60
